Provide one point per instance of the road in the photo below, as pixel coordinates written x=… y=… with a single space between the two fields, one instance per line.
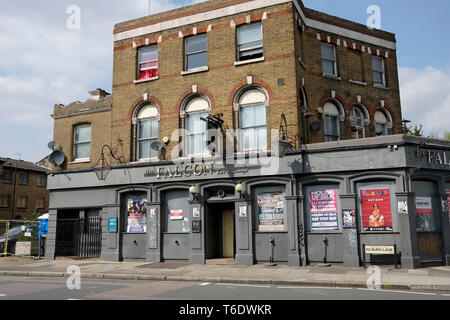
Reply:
x=28 y=288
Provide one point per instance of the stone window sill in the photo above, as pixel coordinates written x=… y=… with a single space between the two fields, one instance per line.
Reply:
x=196 y=70
x=361 y=83
x=240 y=63
x=330 y=76
x=86 y=160
x=146 y=80
x=380 y=86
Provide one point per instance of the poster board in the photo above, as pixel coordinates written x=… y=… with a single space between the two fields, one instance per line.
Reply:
x=270 y=211
x=376 y=212
x=323 y=209
x=349 y=218
x=137 y=215
x=424 y=205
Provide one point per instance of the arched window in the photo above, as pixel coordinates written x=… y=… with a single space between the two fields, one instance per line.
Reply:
x=148 y=131
x=331 y=122
x=358 y=121
x=252 y=120
x=196 y=111
x=382 y=123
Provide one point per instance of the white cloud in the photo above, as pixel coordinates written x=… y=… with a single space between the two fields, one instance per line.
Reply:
x=43 y=63
x=425 y=96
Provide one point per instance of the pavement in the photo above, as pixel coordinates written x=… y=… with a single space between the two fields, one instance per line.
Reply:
x=222 y=271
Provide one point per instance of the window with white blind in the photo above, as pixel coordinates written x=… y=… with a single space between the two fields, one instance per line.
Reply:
x=329 y=66
x=250 y=42
x=148 y=131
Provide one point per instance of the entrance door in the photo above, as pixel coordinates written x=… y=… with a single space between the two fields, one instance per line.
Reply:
x=228 y=233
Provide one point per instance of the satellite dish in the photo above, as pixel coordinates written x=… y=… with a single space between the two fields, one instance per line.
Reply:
x=53 y=145
x=156 y=145
x=57 y=158
x=315 y=126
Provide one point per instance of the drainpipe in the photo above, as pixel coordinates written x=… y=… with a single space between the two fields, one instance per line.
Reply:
x=14 y=191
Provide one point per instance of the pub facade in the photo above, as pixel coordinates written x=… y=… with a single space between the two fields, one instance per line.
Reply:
x=251 y=130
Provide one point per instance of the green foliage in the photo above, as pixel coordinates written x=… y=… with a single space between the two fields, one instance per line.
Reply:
x=30 y=224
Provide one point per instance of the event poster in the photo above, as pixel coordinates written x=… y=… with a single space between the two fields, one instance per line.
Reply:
x=271 y=211
x=323 y=209
x=424 y=205
x=137 y=215
x=376 y=210
x=349 y=216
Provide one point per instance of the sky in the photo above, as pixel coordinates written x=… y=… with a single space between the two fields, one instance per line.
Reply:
x=45 y=61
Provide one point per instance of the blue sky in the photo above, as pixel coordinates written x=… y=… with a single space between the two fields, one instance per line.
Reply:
x=42 y=62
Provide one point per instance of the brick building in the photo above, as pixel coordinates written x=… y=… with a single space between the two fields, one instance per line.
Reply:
x=246 y=70
x=23 y=188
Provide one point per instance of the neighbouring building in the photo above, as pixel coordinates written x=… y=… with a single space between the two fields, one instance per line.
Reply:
x=23 y=188
x=183 y=161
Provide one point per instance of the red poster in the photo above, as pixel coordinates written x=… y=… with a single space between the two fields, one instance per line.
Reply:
x=376 y=210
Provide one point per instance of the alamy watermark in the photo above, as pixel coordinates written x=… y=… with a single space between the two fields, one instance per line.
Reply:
x=374 y=281
x=374 y=20
x=73 y=282
x=73 y=22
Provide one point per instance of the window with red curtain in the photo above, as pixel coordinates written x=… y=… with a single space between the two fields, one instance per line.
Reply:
x=148 y=62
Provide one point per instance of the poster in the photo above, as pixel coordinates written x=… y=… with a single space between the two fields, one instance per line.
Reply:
x=270 y=211
x=402 y=206
x=323 y=209
x=376 y=210
x=424 y=205
x=448 y=203
x=137 y=215
x=176 y=214
x=349 y=217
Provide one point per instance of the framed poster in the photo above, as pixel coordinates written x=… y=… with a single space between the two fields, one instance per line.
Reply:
x=270 y=211
x=196 y=213
x=323 y=209
x=137 y=215
x=243 y=212
x=196 y=226
x=376 y=210
x=402 y=206
x=112 y=225
x=349 y=218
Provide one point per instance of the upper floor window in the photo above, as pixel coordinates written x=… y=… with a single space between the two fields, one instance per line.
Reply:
x=39 y=203
x=196 y=126
x=42 y=180
x=22 y=202
x=379 y=77
x=6 y=176
x=329 y=59
x=23 y=178
x=5 y=201
x=148 y=62
x=357 y=121
x=148 y=131
x=382 y=123
x=252 y=104
x=250 y=42
x=331 y=122
x=82 y=142
x=196 y=52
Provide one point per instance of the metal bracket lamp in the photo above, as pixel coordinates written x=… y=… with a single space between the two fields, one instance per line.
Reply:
x=281 y=146
x=102 y=168
x=194 y=192
x=240 y=188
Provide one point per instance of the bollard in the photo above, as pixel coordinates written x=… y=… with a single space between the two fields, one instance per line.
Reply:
x=272 y=253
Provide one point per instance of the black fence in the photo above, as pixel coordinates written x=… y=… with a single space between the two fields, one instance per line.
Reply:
x=79 y=238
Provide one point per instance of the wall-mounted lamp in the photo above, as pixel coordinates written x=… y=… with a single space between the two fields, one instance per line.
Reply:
x=240 y=188
x=194 y=192
x=102 y=167
x=281 y=146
